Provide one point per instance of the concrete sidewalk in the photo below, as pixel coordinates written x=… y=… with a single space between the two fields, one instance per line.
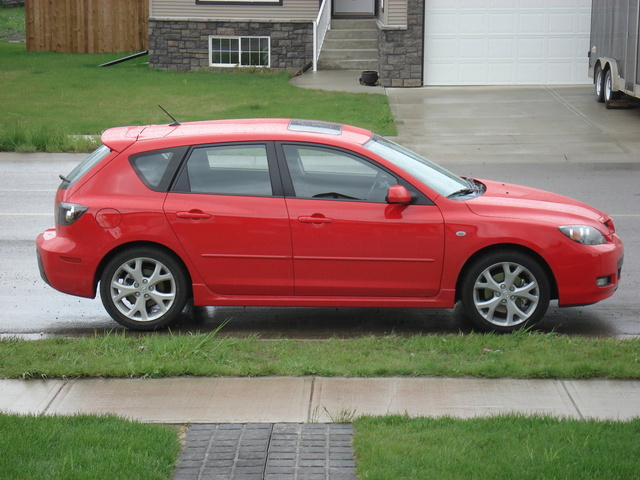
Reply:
x=318 y=399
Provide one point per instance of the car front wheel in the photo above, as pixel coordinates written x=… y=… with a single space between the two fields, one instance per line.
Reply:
x=143 y=288
x=505 y=291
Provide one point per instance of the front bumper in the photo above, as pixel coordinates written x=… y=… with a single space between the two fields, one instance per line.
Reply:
x=578 y=280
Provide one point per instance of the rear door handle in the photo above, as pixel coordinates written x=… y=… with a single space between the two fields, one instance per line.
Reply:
x=193 y=215
x=314 y=219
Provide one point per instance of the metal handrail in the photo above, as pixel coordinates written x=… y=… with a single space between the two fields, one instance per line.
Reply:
x=320 y=27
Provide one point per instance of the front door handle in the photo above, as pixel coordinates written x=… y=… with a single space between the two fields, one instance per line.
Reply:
x=193 y=215
x=315 y=219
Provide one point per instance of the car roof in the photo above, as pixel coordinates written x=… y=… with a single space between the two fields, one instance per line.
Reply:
x=212 y=131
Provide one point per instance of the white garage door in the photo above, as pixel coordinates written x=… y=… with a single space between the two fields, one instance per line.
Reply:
x=506 y=42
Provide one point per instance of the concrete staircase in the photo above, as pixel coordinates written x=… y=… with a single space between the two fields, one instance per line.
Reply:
x=350 y=45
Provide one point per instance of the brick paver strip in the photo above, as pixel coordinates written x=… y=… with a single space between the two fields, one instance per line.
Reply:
x=267 y=451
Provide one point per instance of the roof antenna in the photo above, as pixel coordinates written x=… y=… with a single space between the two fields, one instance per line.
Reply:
x=175 y=122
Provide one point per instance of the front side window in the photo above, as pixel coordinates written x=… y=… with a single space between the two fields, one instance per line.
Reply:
x=227 y=170
x=323 y=173
x=239 y=51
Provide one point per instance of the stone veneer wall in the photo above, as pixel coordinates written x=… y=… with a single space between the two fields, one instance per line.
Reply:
x=184 y=44
x=401 y=51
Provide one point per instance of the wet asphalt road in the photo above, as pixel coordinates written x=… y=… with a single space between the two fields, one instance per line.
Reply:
x=29 y=307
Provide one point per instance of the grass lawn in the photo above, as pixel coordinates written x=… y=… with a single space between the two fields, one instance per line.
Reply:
x=520 y=355
x=395 y=447
x=509 y=447
x=12 y=23
x=52 y=95
x=85 y=448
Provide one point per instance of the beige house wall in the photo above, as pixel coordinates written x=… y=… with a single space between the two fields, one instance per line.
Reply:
x=188 y=9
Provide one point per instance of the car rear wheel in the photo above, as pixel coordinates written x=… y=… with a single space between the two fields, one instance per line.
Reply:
x=505 y=291
x=144 y=288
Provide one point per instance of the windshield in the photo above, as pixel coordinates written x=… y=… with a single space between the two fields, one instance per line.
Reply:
x=84 y=166
x=439 y=179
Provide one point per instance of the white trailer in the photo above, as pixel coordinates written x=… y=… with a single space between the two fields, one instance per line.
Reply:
x=614 y=57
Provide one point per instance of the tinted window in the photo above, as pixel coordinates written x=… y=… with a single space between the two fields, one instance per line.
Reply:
x=229 y=170
x=86 y=165
x=157 y=168
x=318 y=172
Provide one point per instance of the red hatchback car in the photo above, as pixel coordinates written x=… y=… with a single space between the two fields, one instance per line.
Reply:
x=280 y=212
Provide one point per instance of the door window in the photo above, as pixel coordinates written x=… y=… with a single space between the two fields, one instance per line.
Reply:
x=227 y=170
x=323 y=173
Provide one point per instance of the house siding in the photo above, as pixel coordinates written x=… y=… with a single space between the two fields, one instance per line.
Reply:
x=401 y=48
x=188 y=9
x=184 y=44
x=394 y=14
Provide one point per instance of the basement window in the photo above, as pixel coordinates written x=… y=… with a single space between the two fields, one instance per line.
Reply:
x=239 y=51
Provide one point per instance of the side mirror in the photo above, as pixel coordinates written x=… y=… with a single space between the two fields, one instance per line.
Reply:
x=398 y=194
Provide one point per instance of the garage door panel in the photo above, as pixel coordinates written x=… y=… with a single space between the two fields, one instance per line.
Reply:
x=496 y=71
x=471 y=23
x=562 y=48
x=502 y=24
x=514 y=40
x=563 y=23
x=530 y=48
x=533 y=23
x=533 y=72
x=500 y=49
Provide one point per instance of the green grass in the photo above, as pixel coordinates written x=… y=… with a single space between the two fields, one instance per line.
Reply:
x=393 y=447
x=496 y=448
x=521 y=355
x=67 y=94
x=85 y=448
x=12 y=23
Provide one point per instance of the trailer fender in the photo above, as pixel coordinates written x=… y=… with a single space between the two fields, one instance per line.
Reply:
x=607 y=63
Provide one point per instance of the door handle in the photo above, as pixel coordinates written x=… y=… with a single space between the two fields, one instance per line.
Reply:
x=193 y=215
x=317 y=219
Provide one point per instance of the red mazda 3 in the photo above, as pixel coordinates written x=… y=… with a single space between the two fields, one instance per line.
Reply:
x=279 y=212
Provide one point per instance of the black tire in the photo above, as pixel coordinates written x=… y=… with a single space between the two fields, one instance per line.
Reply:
x=144 y=288
x=607 y=92
x=505 y=291
x=598 y=80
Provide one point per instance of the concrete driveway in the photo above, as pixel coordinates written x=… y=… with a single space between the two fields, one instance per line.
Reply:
x=537 y=124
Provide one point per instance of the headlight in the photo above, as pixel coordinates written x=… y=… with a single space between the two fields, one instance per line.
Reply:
x=583 y=234
x=69 y=212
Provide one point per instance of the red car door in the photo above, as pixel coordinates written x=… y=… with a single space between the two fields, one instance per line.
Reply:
x=235 y=231
x=347 y=240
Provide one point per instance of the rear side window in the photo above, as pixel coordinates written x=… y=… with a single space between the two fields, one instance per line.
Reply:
x=83 y=167
x=157 y=168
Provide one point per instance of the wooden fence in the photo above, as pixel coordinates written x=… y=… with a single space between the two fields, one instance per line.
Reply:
x=87 y=26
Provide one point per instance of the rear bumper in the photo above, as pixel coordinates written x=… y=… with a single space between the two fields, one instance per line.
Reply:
x=63 y=266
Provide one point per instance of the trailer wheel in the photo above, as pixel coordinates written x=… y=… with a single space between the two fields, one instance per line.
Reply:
x=609 y=94
x=598 y=80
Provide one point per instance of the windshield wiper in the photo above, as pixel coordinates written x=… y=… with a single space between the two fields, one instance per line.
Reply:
x=471 y=189
x=64 y=179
